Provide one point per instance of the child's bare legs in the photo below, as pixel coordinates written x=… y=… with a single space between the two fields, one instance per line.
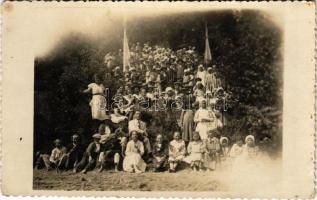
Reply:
x=116 y=160
x=196 y=165
x=200 y=164
x=173 y=165
x=102 y=160
x=192 y=166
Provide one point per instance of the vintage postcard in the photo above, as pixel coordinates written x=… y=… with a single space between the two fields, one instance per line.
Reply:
x=158 y=99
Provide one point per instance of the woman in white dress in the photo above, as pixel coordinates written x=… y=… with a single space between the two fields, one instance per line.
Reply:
x=133 y=161
x=205 y=120
x=98 y=101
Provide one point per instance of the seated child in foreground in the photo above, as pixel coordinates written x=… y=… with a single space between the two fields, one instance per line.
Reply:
x=225 y=149
x=177 y=152
x=236 y=149
x=160 y=153
x=195 y=150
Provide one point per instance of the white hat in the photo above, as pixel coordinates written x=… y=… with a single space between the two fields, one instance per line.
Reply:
x=168 y=89
x=97 y=136
x=249 y=137
x=75 y=136
x=57 y=141
x=219 y=88
x=223 y=138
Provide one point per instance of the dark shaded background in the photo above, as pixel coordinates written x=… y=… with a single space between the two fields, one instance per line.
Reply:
x=245 y=45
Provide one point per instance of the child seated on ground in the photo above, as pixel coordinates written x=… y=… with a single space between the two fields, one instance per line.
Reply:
x=133 y=161
x=177 y=151
x=212 y=146
x=89 y=160
x=250 y=150
x=195 y=149
x=236 y=149
x=225 y=149
x=160 y=152
x=55 y=160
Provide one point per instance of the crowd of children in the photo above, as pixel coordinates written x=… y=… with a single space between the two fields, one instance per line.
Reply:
x=163 y=81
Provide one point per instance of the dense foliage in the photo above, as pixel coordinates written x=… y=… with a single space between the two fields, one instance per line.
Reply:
x=246 y=50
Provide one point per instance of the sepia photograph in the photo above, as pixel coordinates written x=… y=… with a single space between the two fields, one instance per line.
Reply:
x=210 y=99
x=160 y=102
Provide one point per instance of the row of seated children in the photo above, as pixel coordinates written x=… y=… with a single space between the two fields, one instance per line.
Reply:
x=199 y=154
x=207 y=154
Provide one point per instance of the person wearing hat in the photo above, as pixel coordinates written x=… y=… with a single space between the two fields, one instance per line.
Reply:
x=150 y=93
x=199 y=92
x=117 y=73
x=205 y=120
x=55 y=159
x=250 y=150
x=88 y=162
x=75 y=152
x=210 y=79
x=169 y=95
x=225 y=149
x=201 y=73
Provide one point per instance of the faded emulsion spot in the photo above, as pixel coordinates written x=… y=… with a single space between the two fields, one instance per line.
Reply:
x=8 y=7
x=20 y=139
x=108 y=13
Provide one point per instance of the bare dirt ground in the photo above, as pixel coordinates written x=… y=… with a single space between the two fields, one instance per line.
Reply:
x=184 y=180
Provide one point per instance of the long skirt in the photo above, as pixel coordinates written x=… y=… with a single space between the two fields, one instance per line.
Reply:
x=203 y=127
x=134 y=162
x=98 y=107
x=188 y=126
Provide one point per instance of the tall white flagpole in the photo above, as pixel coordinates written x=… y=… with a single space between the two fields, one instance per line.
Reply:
x=126 y=51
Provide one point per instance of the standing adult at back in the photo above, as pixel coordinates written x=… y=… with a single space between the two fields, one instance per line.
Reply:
x=98 y=101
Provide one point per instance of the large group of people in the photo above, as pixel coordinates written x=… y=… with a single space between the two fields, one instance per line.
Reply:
x=131 y=137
